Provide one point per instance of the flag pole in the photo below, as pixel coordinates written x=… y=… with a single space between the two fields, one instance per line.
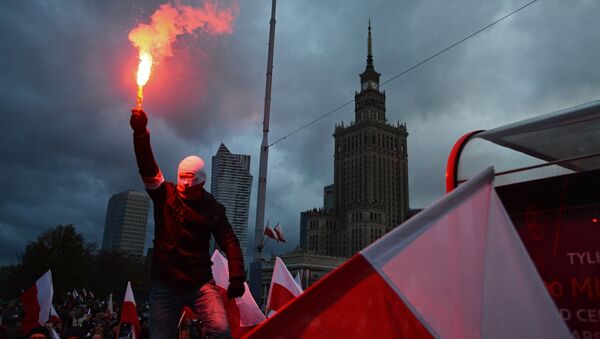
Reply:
x=256 y=266
x=262 y=241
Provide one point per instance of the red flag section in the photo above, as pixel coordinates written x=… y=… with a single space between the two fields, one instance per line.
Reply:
x=129 y=312
x=283 y=287
x=37 y=301
x=456 y=270
x=243 y=313
x=270 y=233
x=353 y=302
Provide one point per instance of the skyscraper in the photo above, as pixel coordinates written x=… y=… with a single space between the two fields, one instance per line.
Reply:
x=125 y=224
x=231 y=184
x=370 y=166
x=370 y=190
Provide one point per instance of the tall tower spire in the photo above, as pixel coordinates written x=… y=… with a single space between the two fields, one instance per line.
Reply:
x=370 y=102
x=370 y=49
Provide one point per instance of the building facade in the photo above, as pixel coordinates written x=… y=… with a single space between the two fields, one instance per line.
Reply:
x=328 y=198
x=126 y=222
x=311 y=267
x=231 y=185
x=370 y=189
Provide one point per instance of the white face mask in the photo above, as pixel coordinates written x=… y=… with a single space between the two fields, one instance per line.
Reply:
x=191 y=172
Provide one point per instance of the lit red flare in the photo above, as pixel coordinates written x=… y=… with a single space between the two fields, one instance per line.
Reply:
x=143 y=74
x=154 y=40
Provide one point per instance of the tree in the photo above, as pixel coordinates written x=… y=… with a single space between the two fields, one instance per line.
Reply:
x=111 y=271
x=61 y=250
x=75 y=264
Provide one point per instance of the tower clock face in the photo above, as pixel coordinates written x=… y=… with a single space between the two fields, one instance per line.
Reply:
x=374 y=85
x=365 y=84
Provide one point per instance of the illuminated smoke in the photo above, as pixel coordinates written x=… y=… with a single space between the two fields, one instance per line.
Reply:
x=155 y=40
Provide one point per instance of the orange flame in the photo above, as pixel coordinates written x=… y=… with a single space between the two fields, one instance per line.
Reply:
x=143 y=74
x=154 y=41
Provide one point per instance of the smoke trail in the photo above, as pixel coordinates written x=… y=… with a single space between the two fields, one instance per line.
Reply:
x=174 y=19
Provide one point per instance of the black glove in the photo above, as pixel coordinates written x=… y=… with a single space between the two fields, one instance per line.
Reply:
x=236 y=288
x=138 y=121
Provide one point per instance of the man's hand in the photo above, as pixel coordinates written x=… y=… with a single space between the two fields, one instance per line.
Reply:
x=236 y=288
x=138 y=121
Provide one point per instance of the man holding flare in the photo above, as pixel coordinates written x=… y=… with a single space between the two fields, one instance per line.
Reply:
x=185 y=217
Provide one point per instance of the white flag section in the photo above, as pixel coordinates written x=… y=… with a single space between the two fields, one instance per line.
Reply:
x=283 y=287
x=298 y=280
x=54 y=315
x=243 y=313
x=37 y=302
x=456 y=270
x=54 y=318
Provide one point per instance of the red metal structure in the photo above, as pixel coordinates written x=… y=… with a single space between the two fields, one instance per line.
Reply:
x=548 y=177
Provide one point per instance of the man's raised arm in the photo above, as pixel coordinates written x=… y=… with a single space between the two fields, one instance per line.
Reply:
x=149 y=170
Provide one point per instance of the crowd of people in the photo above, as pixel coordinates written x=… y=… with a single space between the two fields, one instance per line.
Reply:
x=78 y=317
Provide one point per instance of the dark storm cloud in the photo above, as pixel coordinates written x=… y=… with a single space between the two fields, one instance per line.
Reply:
x=66 y=88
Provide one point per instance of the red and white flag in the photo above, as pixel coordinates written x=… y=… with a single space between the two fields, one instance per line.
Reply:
x=270 y=233
x=455 y=270
x=129 y=312
x=243 y=313
x=283 y=287
x=279 y=233
x=37 y=302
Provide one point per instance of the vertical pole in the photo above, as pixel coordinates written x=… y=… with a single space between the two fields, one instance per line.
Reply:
x=256 y=266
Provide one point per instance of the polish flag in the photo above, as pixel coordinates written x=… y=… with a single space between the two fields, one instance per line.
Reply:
x=283 y=287
x=270 y=233
x=279 y=233
x=129 y=312
x=37 y=301
x=455 y=270
x=243 y=313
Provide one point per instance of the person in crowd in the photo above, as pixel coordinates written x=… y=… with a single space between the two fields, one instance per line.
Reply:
x=40 y=332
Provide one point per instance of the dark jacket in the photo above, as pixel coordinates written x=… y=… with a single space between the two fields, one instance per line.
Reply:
x=182 y=229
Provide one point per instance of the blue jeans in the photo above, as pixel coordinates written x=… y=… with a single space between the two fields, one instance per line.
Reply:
x=166 y=305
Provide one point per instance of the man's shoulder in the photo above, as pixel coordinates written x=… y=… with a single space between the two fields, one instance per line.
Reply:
x=212 y=202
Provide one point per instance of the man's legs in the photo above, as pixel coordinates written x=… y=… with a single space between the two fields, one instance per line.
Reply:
x=165 y=308
x=210 y=310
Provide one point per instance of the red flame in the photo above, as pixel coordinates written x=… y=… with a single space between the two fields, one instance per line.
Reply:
x=154 y=41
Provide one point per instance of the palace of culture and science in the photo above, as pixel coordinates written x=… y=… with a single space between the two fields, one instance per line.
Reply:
x=369 y=195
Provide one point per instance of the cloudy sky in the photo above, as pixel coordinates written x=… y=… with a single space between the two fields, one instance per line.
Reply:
x=67 y=85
